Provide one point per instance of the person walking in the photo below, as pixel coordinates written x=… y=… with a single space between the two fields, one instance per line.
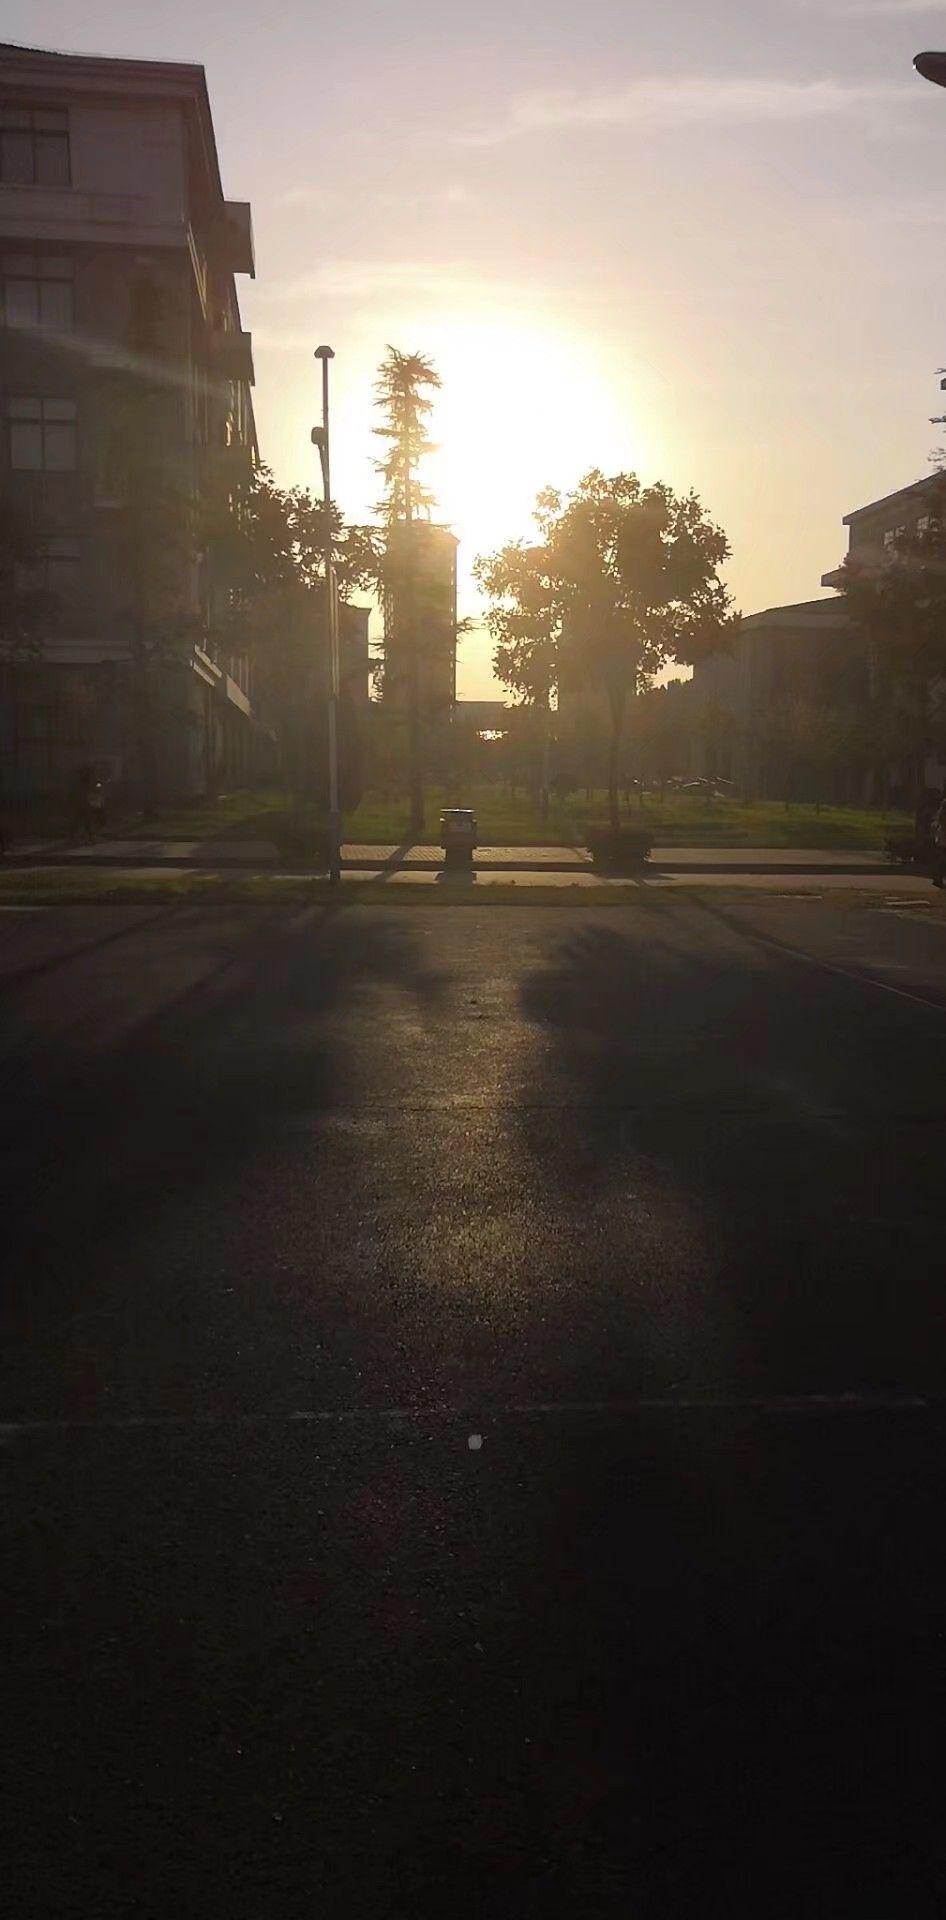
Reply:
x=939 y=844
x=87 y=802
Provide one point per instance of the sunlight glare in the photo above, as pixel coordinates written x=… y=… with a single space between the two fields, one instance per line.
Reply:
x=520 y=409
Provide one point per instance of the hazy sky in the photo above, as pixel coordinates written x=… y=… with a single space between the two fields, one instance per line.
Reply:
x=703 y=238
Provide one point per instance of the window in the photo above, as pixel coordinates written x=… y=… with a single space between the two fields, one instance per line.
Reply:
x=42 y=435
x=34 y=147
x=924 y=524
x=893 y=537
x=54 y=569
x=36 y=291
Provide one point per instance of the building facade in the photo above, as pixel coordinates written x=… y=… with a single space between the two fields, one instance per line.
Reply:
x=754 y=711
x=127 y=421
x=875 y=531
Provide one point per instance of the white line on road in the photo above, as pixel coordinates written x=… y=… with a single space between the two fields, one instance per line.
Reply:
x=824 y=966
x=778 y=1403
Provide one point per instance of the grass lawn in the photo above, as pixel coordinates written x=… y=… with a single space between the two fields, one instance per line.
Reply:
x=513 y=820
x=678 y=820
x=235 y=816
x=44 y=887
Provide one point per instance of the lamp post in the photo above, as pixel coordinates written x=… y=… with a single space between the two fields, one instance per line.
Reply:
x=320 y=439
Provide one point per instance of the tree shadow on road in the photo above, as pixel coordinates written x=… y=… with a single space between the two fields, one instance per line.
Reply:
x=741 y=1150
x=118 y=1150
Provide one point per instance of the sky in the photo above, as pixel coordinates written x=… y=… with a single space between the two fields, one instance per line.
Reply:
x=702 y=240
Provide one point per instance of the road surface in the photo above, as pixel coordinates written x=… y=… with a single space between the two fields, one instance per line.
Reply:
x=473 y=1434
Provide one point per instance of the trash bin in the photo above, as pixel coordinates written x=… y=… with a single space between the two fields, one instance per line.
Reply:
x=458 y=836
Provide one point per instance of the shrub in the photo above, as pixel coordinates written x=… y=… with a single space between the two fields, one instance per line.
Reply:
x=622 y=851
x=300 y=837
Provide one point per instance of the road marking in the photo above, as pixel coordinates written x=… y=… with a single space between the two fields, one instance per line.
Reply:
x=824 y=966
x=847 y=973
x=894 y=1401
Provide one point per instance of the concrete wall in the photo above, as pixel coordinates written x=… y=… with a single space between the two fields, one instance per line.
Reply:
x=139 y=149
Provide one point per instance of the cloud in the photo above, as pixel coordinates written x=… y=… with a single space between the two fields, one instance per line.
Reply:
x=679 y=102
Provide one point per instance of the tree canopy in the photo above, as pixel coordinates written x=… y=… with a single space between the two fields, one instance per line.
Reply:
x=625 y=579
x=404 y=392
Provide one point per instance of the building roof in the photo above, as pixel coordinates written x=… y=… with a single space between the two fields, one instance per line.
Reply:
x=928 y=482
x=103 y=73
x=804 y=613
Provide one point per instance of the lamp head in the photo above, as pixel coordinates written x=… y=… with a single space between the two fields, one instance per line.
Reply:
x=932 y=66
x=325 y=353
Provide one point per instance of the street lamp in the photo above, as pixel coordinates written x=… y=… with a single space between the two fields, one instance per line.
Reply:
x=932 y=66
x=320 y=439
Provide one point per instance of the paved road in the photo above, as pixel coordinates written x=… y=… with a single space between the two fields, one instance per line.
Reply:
x=473 y=1434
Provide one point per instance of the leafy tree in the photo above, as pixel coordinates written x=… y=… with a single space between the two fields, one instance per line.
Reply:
x=639 y=567
x=633 y=576
x=524 y=617
x=404 y=392
x=268 y=554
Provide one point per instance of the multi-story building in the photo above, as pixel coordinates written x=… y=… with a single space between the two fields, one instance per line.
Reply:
x=751 y=708
x=125 y=411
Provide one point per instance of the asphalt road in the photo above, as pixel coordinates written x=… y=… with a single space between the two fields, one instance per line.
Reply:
x=473 y=1391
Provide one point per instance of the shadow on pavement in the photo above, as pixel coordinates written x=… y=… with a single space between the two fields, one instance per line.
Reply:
x=763 y=1145
x=104 y=1134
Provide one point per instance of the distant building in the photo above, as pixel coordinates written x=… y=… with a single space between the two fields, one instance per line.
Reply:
x=483 y=716
x=876 y=530
x=118 y=252
x=421 y=596
x=745 y=704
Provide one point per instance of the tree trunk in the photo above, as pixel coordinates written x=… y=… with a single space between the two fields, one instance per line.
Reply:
x=546 y=759
x=415 y=759
x=617 y=704
x=414 y=742
x=144 y=728
x=921 y=741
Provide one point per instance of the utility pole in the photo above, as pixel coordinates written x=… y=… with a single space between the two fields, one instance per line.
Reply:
x=320 y=439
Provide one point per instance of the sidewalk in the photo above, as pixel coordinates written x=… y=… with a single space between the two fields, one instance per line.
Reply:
x=261 y=855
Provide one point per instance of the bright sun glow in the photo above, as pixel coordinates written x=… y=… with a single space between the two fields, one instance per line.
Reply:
x=519 y=409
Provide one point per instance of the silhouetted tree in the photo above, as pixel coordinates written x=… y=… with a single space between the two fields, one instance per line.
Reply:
x=524 y=617
x=632 y=574
x=403 y=391
x=268 y=553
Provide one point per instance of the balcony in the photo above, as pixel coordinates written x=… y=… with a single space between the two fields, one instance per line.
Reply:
x=231 y=356
x=235 y=238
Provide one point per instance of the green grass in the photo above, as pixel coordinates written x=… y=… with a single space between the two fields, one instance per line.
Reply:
x=505 y=820
x=58 y=887
x=235 y=816
x=680 y=821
